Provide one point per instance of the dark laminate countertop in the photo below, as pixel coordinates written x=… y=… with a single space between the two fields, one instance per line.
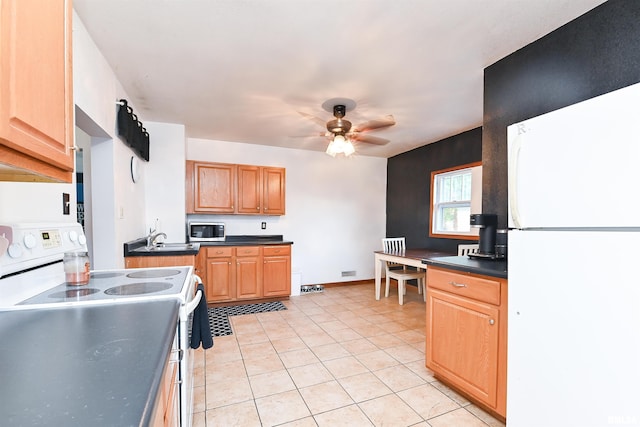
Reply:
x=249 y=240
x=97 y=365
x=138 y=247
x=467 y=265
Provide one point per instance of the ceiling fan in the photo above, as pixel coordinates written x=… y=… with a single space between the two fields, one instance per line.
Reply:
x=342 y=132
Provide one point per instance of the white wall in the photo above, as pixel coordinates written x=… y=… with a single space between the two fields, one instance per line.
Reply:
x=335 y=207
x=118 y=203
x=35 y=202
x=164 y=180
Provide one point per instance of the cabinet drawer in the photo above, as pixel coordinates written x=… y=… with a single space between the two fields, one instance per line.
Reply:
x=277 y=250
x=481 y=288
x=219 y=251
x=247 y=250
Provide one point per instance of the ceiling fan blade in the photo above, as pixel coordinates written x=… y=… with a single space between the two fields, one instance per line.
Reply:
x=313 y=118
x=312 y=135
x=370 y=139
x=376 y=124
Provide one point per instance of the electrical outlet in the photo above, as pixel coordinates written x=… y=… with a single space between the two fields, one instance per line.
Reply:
x=263 y=226
x=66 y=204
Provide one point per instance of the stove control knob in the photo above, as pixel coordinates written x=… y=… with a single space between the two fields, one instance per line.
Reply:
x=30 y=241
x=73 y=236
x=15 y=251
x=82 y=239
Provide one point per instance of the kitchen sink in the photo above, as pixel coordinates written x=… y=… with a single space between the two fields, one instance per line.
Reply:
x=173 y=247
x=169 y=247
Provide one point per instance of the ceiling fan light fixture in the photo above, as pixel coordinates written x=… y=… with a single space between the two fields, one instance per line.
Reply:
x=348 y=148
x=340 y=144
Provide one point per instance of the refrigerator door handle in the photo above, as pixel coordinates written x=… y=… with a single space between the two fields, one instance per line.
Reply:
x=514 y=155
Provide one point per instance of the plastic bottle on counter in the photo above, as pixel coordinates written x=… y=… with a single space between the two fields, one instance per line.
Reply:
x=76 y=268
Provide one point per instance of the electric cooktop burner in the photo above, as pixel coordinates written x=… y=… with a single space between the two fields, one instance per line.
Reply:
x=105 y=275
x=147 y=274
x=111 y=286
x=138 y=288
x=74 y=293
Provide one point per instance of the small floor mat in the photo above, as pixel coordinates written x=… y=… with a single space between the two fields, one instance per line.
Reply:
x=219 y=316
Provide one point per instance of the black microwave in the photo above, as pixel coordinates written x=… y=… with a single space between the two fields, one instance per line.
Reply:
x=206 y=231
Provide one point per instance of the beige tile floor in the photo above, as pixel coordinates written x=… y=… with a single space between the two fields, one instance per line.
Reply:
x=334 y=358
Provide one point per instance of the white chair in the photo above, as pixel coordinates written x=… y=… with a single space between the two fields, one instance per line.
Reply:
x=400 y=272
x=468 y=249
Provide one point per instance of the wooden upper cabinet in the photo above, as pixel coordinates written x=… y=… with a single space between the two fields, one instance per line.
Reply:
x=249 y=189
x=210 y=187
x=273 y=198
x=235 y=189
x=36 y=102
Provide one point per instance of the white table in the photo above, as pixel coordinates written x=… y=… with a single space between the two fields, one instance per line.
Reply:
x=412 y=257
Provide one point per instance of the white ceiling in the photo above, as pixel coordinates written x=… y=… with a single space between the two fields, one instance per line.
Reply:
x=243 y=70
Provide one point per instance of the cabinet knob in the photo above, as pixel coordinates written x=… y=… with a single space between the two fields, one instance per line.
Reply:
x=258 y=208
x=491 y=321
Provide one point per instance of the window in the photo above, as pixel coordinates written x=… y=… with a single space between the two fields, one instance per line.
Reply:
x=455 y=194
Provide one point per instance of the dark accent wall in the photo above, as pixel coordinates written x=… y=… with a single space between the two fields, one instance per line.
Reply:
x=596 y=53
x=409 y=181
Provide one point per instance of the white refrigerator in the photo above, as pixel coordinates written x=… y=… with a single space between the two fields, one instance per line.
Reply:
x=574 y=256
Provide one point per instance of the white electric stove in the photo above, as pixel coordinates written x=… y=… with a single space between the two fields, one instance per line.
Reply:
x=32 y=277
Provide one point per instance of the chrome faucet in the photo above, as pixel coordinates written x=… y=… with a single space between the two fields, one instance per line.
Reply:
x=151 y=238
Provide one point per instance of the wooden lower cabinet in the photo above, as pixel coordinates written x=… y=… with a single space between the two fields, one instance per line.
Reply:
x=219 y=275
x=277 y=271
x=167 y=411
x=248 y=272
x=159 y=261
x=233 y=273
x=466 y=334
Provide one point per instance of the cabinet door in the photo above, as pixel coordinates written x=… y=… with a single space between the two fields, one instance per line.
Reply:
x=462 y=343
x=200 y=266
x=273 y=197
x=212 y=188
x=248 y=272
x=36 y=106
x=220 y=284
x=276 y=276
x=249 y=189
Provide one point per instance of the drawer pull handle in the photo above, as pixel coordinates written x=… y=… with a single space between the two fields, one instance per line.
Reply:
x=491 y=321
x=457 y=285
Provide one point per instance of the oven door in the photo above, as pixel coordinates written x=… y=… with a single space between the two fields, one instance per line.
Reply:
x=186 y=361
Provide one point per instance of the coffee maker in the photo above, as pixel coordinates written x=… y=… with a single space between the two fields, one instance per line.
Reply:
x=487 y=240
